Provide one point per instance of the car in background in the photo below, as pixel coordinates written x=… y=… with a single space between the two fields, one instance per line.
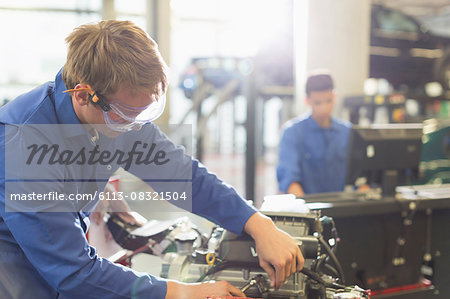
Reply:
x=405 y=53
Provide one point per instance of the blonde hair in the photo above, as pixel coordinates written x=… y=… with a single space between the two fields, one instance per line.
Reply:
x=112 y=54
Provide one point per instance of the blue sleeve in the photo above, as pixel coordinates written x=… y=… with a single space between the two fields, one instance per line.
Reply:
x=56 y=246
x=211 y=198
x=217 y=201
x=289 y=155
x=55 y=243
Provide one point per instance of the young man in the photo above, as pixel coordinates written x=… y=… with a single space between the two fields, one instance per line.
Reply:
x=65 y=138
x=313 y=147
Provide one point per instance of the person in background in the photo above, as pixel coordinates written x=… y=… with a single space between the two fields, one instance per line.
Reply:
x=313 y=147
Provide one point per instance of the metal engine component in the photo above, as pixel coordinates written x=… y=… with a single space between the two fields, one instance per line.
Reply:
x=236 y=260
x=225 y=256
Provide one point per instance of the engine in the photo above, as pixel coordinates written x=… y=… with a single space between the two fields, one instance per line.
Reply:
x=222 y=255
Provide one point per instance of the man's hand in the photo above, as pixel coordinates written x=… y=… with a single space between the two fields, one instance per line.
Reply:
x=178 y=290
x=296 y=189
x=278 y=253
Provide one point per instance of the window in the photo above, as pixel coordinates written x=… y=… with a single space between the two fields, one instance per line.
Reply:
x=33 y=47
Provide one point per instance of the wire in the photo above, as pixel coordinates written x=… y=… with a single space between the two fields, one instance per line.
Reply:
x=218 y=267
x=318 y=263
x=333 y=258
x=335 y=235
x=331 y=269
x=314 y=276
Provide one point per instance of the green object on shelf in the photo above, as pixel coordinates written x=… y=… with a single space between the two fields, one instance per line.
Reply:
x=435 y=165
x=444 y=109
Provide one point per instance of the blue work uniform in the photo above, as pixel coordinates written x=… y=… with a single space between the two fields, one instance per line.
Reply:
x=313 y=156
x=46 y=254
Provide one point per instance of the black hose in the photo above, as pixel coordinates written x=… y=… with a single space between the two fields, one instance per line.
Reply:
x=212 y=270
x=222 y=265
x=333 y=258
x=314 y=276
x=331 y=269
x=319 y=262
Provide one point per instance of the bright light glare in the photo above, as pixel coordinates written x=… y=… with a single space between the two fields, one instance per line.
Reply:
x=433 y=89
x=249 y=25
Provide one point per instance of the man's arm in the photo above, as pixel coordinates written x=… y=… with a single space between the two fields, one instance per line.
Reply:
x=209 y=196
x=278 y=253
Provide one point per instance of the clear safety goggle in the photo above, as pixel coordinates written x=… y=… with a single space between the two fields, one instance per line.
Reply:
x=123 y=118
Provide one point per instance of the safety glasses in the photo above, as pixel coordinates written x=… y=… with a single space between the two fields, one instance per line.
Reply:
x=123 y=118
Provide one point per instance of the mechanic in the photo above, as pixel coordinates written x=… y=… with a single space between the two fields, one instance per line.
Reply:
x=313 y=147
x=106 y=97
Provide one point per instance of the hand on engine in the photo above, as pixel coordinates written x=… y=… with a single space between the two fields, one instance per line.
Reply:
x=278 y=253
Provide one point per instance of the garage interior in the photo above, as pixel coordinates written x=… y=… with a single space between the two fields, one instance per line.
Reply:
x=237 y=76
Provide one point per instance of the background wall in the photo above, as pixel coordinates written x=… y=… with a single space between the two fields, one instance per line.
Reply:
x=337 y=39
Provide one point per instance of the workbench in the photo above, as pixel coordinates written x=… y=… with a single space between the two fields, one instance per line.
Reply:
x=384 y=241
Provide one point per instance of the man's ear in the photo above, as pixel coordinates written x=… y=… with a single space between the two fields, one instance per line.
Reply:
x=81 y=97
x=307 y=100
